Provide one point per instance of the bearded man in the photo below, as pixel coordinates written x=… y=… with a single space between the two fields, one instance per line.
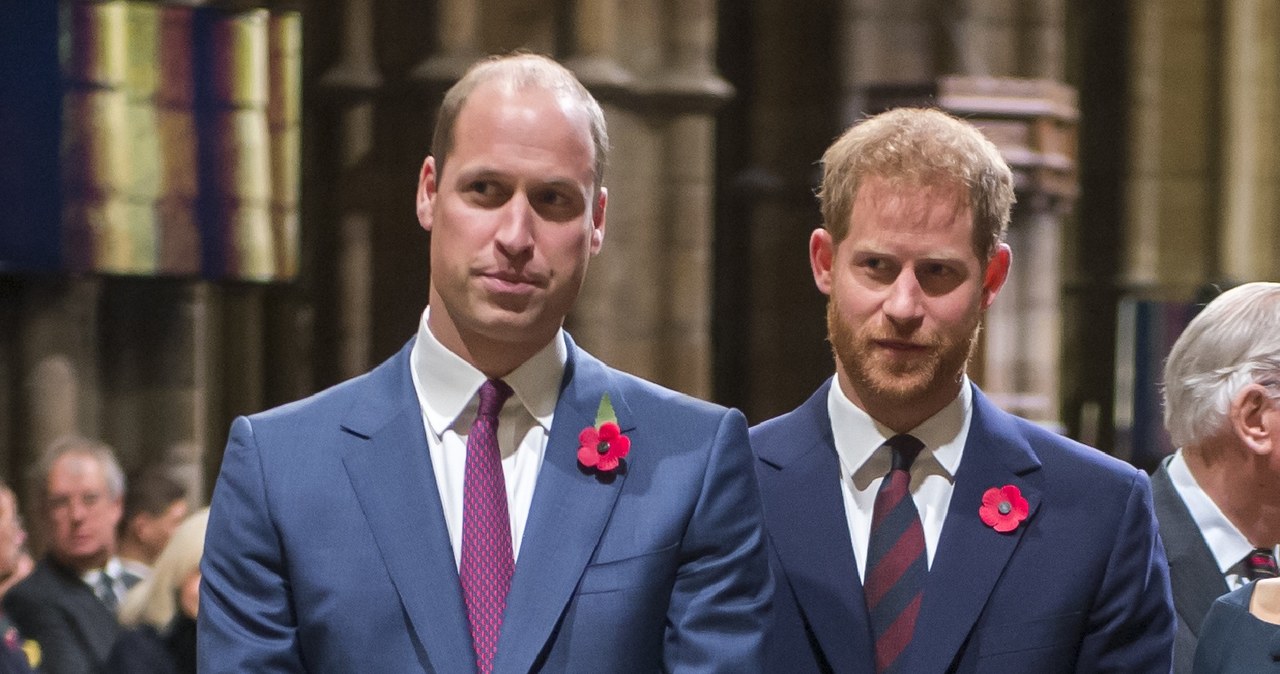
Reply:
x=915 y=527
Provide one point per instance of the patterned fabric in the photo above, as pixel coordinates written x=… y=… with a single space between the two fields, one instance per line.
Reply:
x=1261 y=564
x=896 y=563
x=487 y=560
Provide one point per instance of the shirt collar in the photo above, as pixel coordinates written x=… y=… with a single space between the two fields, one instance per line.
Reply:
x=112 y=569
x=1225 y=541
x=857 y=435
x=447 y=384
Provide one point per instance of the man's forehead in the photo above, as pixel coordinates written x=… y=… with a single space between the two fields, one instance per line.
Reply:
x=76 y=466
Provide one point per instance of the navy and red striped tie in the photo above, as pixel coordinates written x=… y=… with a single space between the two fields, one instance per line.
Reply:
x=1261 y=564
x=896 y=563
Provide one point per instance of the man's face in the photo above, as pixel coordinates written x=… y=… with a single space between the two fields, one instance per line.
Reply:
x=513 y=220
x=154 y=531
x=906 y=295
x=12 y=535
x=81 y=512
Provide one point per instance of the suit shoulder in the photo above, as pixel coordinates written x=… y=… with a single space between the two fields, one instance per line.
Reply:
x=387 y=379
x=651 y=397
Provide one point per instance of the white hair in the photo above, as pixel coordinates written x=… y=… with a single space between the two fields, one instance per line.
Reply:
x=1233 y=342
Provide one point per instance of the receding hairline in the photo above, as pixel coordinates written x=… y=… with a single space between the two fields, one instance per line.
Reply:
x=521 y=72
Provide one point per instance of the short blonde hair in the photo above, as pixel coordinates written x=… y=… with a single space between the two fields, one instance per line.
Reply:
x=919 y=147
x=154 y=601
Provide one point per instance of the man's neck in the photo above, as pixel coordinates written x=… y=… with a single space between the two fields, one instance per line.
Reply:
x=129 y=549
x=898 y=414
x=1247 y=497
x=83 y=565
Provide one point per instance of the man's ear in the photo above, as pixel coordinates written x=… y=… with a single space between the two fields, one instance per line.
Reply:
x=598 y=220
x=1253 y=419
x=426 y=192
x=822 y=253
x=997 y=273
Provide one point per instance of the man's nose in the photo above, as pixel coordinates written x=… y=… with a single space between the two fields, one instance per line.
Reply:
x=515 y=230
x=904 y=301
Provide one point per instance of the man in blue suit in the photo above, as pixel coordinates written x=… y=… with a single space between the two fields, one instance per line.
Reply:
x=492 y=498
x=915 y=527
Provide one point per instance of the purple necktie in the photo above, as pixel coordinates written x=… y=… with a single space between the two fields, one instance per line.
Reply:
x=896 y=564
x=487 y=561
x=1261 y=564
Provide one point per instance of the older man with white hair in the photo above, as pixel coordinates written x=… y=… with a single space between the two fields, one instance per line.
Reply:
x=1218 y=497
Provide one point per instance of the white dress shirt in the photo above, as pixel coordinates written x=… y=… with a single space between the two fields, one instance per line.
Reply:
x=114 y=571
x=1228 y=545
x=447 y=388
x=864 y=462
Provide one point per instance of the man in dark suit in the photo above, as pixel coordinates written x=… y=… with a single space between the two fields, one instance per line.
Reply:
x=384 y=525
x=915 y=527
x=67 y=605
x=1218 y=497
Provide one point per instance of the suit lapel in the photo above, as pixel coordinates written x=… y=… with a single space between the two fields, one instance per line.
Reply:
x=971 y=556
x=389 y=466
x=93 y=620
x=1193 y=572
x=567 y=517
x=805 y=517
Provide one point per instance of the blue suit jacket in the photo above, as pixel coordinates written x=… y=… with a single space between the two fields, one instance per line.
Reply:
x=1081 y=585
x=327 y=550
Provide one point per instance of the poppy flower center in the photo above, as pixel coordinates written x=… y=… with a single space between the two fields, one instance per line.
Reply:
x=1005 y=507
x=603 y=447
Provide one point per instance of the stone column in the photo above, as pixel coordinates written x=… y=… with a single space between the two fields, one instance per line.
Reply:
x=153 y=368
x=1170 y=207
x=349 y=86
x=1250 y=236
x=458 y=30
x=646 y=305
x=595 y=59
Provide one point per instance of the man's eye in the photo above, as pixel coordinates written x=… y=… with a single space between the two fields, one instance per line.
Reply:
x=877 y=266
x=487 y=193
x=557 y=205
x=936 y=270
x=553 y=199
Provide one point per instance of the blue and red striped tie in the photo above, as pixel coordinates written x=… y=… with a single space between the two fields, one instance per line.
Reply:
x=1261 y=564
x=487 y=560
x=896 y=563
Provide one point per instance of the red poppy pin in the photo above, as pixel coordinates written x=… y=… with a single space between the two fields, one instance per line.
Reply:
x=1003 y=508
x=603 y=446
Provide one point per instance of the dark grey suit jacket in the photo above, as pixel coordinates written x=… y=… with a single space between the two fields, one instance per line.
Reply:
x=55 y=608
x=1193 y=572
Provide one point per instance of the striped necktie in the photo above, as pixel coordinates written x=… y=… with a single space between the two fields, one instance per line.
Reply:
x=1261 y=564
x=896 y=563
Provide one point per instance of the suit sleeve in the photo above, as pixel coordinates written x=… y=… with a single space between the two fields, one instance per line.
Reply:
x=247 y=622
x=1131 y=624
x=61 y=648
x=723 y=589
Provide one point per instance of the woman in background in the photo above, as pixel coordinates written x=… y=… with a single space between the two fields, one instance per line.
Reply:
x=1241 y=634
x=159 y=613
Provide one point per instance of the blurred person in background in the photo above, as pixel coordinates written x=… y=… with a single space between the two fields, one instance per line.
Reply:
x=154 y=505
x=159 y=614
x=15 y=561
x=68 y=603
x=16 y=654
